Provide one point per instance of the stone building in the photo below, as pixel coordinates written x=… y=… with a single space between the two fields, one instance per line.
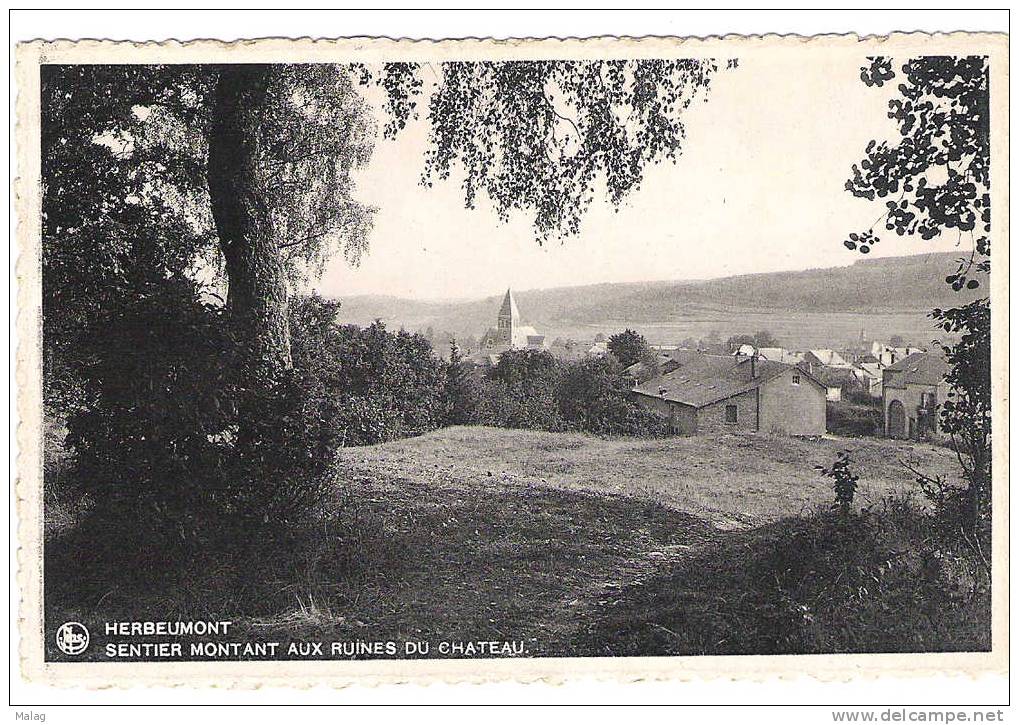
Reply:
x=911 y=391
x=713 y=393
x=888 y=355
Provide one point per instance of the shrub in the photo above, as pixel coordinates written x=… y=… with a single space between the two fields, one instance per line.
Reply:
x=530 y=405
x=161 y=412
x=594 y=396
x=628 y=347
x=459 y=402
x=385 y=385
x=531 y=389
x=844 y=481
x=175 y=445
x=882 y=580
x=519 y=391
x=843 y=418
x=858 y=396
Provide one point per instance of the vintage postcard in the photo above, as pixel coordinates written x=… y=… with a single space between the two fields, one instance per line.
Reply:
x=365 y=361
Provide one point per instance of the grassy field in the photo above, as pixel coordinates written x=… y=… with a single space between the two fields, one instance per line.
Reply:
x=552 y=540
x=728 y=480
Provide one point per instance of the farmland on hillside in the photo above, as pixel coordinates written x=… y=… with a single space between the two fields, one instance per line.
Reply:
x=811 y=308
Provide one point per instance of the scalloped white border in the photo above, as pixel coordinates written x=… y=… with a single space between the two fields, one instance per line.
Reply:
x=550 y=670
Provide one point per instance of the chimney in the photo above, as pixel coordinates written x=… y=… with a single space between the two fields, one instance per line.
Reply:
x=753 y=365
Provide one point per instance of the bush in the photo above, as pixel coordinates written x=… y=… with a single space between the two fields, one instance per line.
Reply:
x=594 y=396
x=843 y=418
x=859 y=396
x=530 y=405
x=459 y=399
x=881 y=580
x=174 y=442
x=382 y=385
x=844 y=482
x=531 y=389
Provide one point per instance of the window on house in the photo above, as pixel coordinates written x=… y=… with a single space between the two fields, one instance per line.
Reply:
x=796 y=379
x=730 y=413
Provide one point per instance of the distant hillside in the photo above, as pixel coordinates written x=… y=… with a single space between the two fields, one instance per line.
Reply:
x=882 y=285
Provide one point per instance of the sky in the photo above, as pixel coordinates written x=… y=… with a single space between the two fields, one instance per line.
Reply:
x=758 y=188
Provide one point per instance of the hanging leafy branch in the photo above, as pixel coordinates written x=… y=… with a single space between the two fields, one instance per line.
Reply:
x=539 y=137
x=935 y=177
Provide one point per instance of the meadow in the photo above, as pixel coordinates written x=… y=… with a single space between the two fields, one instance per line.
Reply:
x=566 y=543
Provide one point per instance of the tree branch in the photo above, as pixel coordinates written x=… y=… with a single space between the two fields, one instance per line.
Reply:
x=565 y=118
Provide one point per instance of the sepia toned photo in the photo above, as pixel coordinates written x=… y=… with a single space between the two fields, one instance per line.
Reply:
x=495 y=360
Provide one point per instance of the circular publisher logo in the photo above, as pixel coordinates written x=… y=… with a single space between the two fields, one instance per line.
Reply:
x=72 y=638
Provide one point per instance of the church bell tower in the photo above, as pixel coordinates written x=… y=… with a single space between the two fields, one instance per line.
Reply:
x=509 y=317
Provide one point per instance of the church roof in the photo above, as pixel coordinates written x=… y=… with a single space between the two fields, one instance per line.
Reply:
x=509 y=307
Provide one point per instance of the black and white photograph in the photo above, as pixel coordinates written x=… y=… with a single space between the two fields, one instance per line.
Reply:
x=592 y=351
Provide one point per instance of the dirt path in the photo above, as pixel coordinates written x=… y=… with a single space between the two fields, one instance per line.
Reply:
x=512 y=557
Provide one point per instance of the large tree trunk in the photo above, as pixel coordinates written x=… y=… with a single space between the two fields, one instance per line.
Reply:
x=254 y=265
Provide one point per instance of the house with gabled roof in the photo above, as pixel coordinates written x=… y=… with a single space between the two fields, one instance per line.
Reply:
x=712 y=393
x=888 y=355
x=825 y=357
x=912 y=391
x=779 y=354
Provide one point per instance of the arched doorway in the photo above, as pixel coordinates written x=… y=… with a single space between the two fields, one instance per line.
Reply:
x=896 y=420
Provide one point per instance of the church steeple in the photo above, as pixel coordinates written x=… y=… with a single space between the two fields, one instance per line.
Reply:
x=509 y=311
x=509 y=333
x=509 y=318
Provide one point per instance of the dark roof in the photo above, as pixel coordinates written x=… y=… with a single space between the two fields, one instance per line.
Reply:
x=925 y=368
x=665 y=365
x=701 y=379
x=834 y=377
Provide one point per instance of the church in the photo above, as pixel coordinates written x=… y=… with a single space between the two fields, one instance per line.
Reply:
x=509 y=334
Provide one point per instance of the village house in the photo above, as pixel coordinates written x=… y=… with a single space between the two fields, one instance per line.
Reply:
x=711 y=393
x=836 y=380
x=775 y=354
x=888 y=355
x=826 y=358
x=831 y=370
x=780 y=354
x=870 y=373
x=598 y=349
x=664 y=363
x=912 y=390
